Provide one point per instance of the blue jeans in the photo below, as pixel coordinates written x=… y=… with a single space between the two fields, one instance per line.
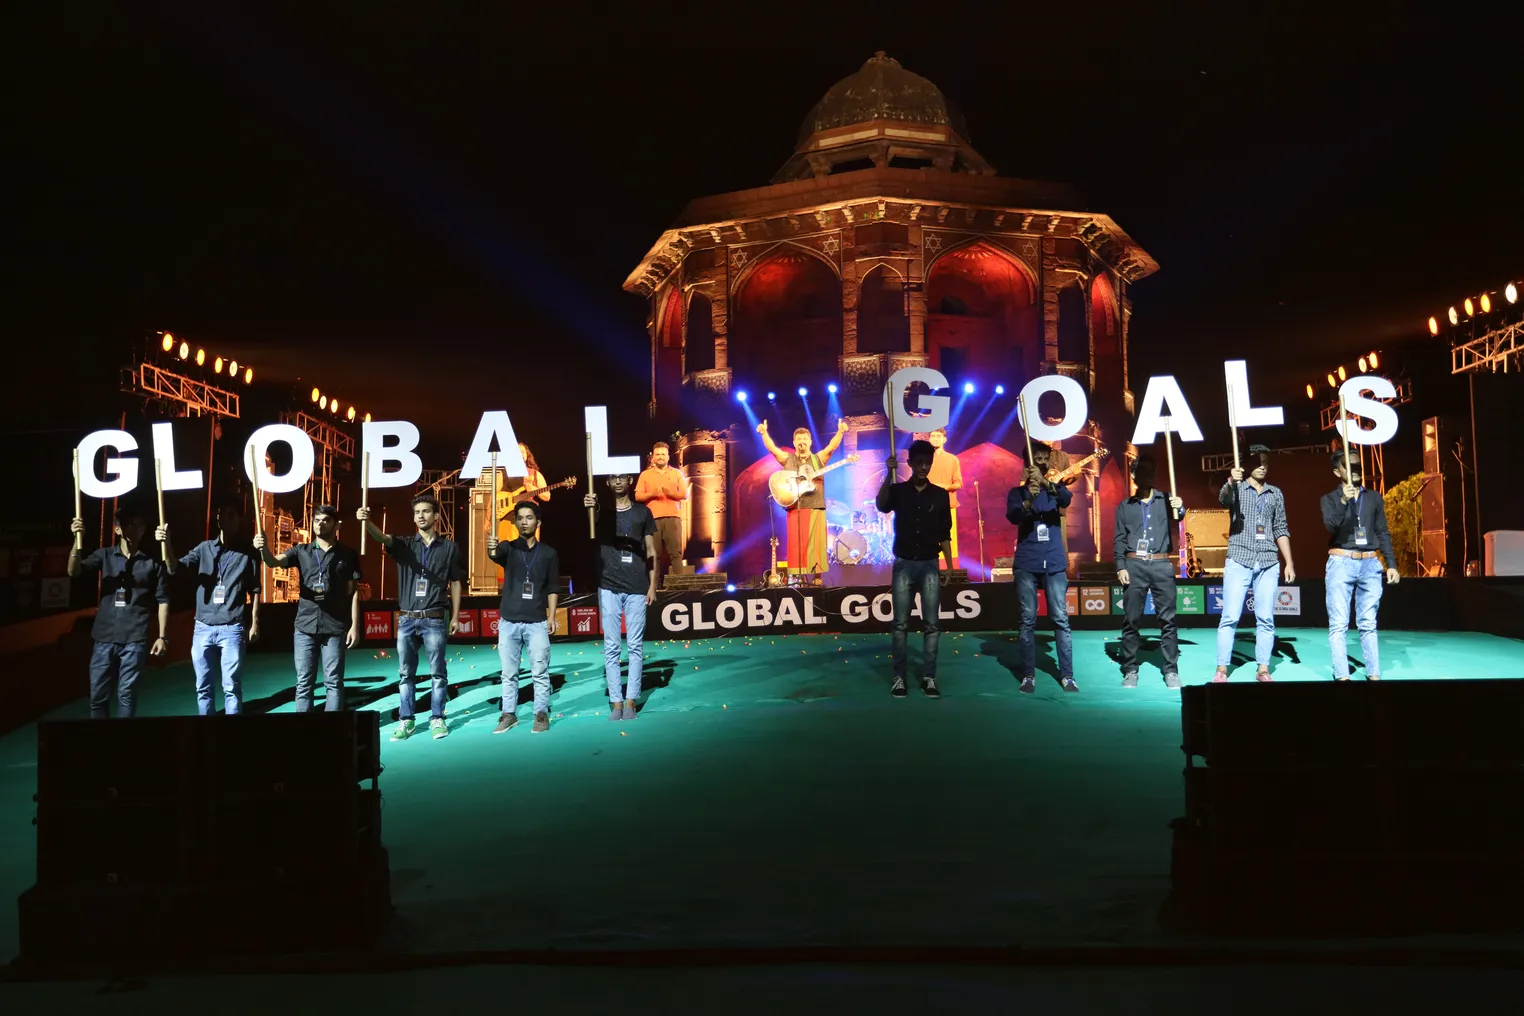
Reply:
x=512 y=637
x=1056 y=586
x=911 y=577
x=115 y=666
x=633 y=606
x=223 y=642
x=434 y=632
x=1236 y=582
x=308 y=649
x=1363 y=576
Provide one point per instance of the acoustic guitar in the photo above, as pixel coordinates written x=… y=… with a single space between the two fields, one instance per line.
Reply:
x=788 y=487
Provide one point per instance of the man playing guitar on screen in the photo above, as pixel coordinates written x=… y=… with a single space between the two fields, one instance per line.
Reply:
x=806 y=515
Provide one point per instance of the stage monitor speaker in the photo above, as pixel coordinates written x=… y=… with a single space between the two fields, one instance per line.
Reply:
x=1207 y=527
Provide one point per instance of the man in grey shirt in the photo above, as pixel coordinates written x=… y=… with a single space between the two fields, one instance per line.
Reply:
x=1256 y=531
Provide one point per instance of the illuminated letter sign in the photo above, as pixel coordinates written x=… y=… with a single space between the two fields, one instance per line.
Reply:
x=373 y=440
x=935 y=405
x=509 y=458
x=596 y=419
x=1245 y=415
x=302 y=457
x=123 y=472
x=1164 y=391
x=1383 y=416
x=1076 y=407
x=164 y=451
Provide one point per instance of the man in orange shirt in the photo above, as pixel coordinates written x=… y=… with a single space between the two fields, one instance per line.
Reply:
x=662 y=488
x=947 y=474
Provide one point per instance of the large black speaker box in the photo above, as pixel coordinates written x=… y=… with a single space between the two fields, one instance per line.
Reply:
x=1351 y=808
x=163 y=841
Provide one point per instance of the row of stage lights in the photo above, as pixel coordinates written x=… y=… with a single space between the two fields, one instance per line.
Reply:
x=968 y=389
x=1370 y=361
x=1472 y=306
x=167 y=342
x=322 y=401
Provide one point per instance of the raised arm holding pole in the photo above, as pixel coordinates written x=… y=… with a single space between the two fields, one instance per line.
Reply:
x=79 y=512
x=364 y=496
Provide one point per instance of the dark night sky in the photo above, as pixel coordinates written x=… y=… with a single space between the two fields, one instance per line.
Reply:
x=349 y=193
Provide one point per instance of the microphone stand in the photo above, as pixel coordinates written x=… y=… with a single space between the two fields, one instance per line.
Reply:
x=979 y=508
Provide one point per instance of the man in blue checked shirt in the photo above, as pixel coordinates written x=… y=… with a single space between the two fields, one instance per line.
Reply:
x=1356 y=522
x=227 y=606
x=1256 y=532
x=1036 y=509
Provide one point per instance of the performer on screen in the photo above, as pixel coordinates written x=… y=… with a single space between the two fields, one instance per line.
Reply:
x=133 y=584
x=626 y=577
x=662 y=488
x=1036 y=509
x=1145 y=560
x=1356 y=522
x=947 y=473
x=227 y=599
x=430 y=568
x=806 y=517
x=1256 y=530
x=513 y=489
x=922 y=533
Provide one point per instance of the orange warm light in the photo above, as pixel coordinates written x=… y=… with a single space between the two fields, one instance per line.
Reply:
x=185 y=350
x=169 y=342
x=200 y=358
x=351 y=414
x=217 y=365
x=1375 y=360
x=248 y=375
x=1433 y=326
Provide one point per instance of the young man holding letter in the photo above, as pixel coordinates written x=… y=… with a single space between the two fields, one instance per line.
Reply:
x=922 y=533
x=328 y=613
x=527 y=615
x=429 y=571
x=227 y=597
x=1356 y=522
x=1037 y=510
x=626 y=581
x=1145 y=560
x=1256 y=531
x=130 y=582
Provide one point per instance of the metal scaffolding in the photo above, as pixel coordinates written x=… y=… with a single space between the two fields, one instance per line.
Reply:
x=1492 y=352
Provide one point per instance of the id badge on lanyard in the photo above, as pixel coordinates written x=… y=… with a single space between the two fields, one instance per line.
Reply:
x=319 y=581
x=1041 y=530
x=220 y=590
x=121 y=596
x=1360 y=537
x=1259 y=526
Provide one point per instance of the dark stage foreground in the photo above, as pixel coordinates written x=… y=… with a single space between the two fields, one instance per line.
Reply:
x=773 y=796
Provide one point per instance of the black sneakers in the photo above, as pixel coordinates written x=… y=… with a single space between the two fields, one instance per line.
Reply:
x=929 y=686
x=897 y=689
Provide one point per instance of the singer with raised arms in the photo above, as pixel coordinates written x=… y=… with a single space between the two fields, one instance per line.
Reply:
x=430 y=568
x=806 y=525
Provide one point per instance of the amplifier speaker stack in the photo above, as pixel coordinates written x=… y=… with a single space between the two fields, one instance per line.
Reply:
x=171 y=842
x=1351 y=808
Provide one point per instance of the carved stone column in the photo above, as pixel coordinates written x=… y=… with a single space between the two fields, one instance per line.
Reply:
x=850 y=291
x=719 y=307
x=917 y=303
x=1051 y=281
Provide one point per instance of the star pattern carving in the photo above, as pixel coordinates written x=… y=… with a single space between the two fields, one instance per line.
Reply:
x=934 y=242
x=738 y=258
x=830 y=244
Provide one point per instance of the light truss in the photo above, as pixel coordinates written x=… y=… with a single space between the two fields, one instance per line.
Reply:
x=197 y=397
x=323 y=433
x=1223 y=461
x=1491 y=352
x=1328 y=416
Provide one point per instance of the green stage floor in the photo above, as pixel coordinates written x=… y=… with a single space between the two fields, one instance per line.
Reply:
x=772 y=793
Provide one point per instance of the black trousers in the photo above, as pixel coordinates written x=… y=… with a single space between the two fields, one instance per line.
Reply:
x=1143 y=577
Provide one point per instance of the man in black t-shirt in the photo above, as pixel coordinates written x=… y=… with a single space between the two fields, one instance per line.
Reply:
x=429 y=570
x=130 y=581
x=227 y=599
x=626 y=571
x=527 y=615
x=328 y=613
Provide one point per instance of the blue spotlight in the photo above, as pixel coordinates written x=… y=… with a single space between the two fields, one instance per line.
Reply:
x=741 y=396
x=1000 y=389
x=968 y=388
x=771 y=396
x=831 y=388
x=803 y=392
x=730 y=589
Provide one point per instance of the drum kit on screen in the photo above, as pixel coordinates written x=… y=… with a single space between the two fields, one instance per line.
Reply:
x=858 y=537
